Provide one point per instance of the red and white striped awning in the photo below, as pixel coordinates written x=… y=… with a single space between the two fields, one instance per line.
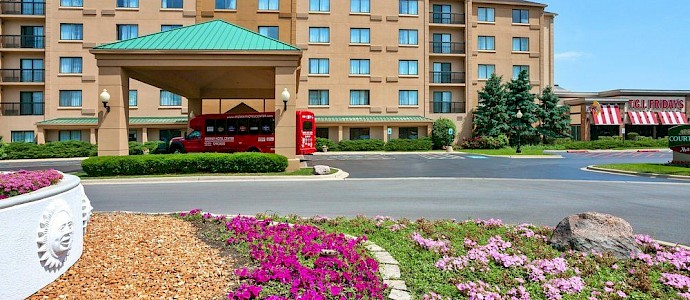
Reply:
x=642 y=118
x=608 y=115
x=673 y=118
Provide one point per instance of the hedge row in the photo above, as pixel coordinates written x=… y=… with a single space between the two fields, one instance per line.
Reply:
x=375 y=145
x=48 y=150
x=153 y=147
x=184 y=164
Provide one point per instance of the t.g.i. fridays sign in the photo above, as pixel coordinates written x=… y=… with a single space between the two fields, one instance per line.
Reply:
x=657 y=104
x=679 y=142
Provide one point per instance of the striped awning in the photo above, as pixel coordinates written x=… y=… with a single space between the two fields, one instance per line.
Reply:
x=673 y=118
x=607 y=115
x=642 y=118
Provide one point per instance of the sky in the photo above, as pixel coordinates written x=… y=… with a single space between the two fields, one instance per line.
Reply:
x=621 y=44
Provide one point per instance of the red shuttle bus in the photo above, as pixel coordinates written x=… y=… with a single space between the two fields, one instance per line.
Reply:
x=250 y=132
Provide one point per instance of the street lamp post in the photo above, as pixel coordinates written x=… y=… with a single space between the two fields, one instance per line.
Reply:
x=518 y=115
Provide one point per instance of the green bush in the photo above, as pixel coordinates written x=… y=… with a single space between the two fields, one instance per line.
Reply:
x=3 y=155
x=485 y=142
x=50 y=150
x=409 y=144
x=156 y=147
x=320 y=142
x=439 y=133
x=136 y=148
x=361 y=145
x=184 y=164
x=632 y=136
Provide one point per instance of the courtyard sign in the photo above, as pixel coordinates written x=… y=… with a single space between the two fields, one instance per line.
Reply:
x=679 y=142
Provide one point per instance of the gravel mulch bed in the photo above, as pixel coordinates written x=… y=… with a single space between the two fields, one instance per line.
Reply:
x=130 y=256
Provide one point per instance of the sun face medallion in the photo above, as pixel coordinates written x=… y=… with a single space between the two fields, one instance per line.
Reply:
x=55 y=234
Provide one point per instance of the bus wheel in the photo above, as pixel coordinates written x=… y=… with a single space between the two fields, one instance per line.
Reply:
x=252 y=149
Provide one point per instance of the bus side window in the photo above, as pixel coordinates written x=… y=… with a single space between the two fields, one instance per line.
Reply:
x=267 y=125
x=243 y=125
x=210 y=127
x=220 y=127
x=254 y=124
x=307 y=126
x=232 y=126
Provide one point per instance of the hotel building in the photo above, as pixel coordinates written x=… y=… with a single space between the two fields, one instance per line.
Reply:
x=370 y=69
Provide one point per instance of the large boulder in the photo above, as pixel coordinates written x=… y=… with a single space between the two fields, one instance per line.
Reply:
x=593 y=231
x=322 y=170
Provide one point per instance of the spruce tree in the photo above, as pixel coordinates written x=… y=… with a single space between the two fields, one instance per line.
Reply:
x=491 y=116
x=520 y=99
x=555 y=120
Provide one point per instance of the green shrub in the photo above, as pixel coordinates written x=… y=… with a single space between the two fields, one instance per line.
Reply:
x=632 y=136
x=136 y=148
x=439 y=133
x=485 y=142
x=409 y=144
x=320 y=142
x=360 y=145
x=561 y=141
x=50 y=150
x=3 y=155
x=156 y=147
x=184 y=164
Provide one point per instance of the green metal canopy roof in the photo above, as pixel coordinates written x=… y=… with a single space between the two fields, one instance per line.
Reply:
x=212 y=35
x=371 y=119
x=132 y=121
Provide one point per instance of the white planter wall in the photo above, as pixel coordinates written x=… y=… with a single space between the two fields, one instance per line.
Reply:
x=41 y=236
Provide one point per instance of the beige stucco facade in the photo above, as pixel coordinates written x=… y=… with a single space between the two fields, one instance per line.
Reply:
x=457 y=85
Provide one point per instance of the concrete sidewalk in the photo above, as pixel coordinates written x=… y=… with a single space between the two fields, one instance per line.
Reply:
x=8 y=161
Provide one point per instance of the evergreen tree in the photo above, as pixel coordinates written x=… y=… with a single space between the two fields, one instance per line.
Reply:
x=555 y=120
x=491 y=116
x=520 y=99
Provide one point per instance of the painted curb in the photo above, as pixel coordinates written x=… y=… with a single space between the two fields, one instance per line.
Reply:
x=42 y=160
x=652 y=175
x=340 y=175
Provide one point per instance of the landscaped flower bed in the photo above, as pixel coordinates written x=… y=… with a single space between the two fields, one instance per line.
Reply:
x=297 y=262
x=22 y=182
x=485 y=259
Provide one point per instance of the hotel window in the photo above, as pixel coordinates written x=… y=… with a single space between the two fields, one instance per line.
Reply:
x=520 y=44
x=269 y=31
x=169 y=27
x=485 y=71
x=359 y=134
x=268 y=4
x=407 y=67
x=359 y=6
x=359 y=67
x=70 y=98
x=320 y=5
x=128 y=3
x=359 y=35
x=127 y=31
x=226 y=4
x=67 y=3
x=167 y=134
x=408 y=133
x=171 y=3
x=408 y=7
x=69 y=135
x=518 y=69
x=487 y=43
x=318 y=66
x=133 y=98
x=170 y=99
x=359 y=97
x=322 y=133
x=520 y=16
x=72 y=32
x=132 y=135
x=318 y=97
x=23 y=136
x=31 y=103
x=319 y=35
x=406 y=98
x=408 y=37
x=70 y=65
x=486 y=14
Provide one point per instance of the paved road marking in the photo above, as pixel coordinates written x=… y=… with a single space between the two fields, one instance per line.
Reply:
x=441 y=156
x=356 y=157
x=477 y=157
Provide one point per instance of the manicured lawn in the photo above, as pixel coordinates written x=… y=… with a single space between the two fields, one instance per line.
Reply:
x=300 y=172
x=527 y=150
x=650 y=168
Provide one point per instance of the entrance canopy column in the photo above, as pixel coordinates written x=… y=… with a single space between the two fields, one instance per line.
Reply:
x=112 y=133
x=286 y=143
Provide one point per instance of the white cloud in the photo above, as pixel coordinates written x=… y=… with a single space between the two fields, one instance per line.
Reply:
x=568 y=55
